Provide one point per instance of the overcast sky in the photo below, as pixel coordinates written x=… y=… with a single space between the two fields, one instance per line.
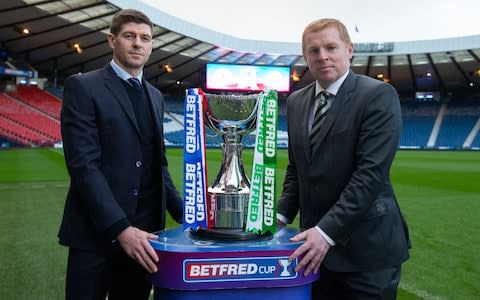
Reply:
x=284 y=20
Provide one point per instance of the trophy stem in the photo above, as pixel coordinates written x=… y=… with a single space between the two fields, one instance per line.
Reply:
x=235 y=178
x=230 y=191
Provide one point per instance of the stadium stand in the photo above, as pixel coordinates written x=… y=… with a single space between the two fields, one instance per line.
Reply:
x=38 y=99
x=30 y=117
x=454 y=131
x=460 y=118
x=27 y=125
x=58 y=92
x=418 y=120
x=20 y=134
x=476 y=142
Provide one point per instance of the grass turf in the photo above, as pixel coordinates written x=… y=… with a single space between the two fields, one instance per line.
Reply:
x=439 y=193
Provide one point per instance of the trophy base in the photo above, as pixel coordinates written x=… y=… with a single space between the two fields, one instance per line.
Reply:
x=228 y=234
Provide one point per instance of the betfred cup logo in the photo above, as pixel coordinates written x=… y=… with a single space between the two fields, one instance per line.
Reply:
x=239 y=269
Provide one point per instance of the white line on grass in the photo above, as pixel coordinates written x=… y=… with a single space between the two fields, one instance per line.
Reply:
x=420 y=293
x=32 y=186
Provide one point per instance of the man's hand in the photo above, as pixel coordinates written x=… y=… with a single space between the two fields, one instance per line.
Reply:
x=135 y=243
x=314 y=250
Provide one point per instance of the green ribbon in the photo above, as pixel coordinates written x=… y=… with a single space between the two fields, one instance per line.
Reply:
x=262 y=204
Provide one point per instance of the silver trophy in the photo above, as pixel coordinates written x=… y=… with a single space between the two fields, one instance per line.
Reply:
x=231 y=117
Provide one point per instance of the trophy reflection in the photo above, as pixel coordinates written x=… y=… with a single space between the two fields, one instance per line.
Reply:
x=231 y=117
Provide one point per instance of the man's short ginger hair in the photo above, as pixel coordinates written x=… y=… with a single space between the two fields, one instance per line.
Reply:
x=321 y=24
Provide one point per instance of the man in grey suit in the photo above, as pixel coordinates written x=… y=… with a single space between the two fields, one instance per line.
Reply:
x=112 y=128
x=343 y=132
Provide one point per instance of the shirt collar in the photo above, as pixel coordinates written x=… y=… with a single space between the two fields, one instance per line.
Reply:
x=333 y=88
x=122 y=73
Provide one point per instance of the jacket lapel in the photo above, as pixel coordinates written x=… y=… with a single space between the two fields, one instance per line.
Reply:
x=116 y=88
x=343 y=96
x=306 y=108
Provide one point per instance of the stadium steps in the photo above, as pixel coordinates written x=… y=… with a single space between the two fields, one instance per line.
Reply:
x=21 y=135
x=16 y=114
x=459 y=125
x=470 y=140
x=454 y=131
x=432 y=140
x=39 y=100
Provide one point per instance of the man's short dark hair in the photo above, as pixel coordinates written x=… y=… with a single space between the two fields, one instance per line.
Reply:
x=128 y=16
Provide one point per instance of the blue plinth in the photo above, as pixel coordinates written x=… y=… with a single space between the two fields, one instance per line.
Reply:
x=193 y=268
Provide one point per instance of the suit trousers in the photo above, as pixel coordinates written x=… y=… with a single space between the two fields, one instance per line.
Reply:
x=94 y=274
x=380 y=284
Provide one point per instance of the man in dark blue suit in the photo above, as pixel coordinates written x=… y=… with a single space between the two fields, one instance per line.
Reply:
x=112 y=128
x=343 y=132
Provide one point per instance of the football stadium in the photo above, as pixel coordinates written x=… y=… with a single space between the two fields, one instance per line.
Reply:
x=433 y=65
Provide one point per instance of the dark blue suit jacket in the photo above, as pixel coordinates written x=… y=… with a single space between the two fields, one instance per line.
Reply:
x=343 y=184
x=102 y=146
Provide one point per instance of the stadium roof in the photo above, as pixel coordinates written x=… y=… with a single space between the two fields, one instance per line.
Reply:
x=241 y=27
x=447 y=62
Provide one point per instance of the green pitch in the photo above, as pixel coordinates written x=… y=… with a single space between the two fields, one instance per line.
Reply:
x=439 y=193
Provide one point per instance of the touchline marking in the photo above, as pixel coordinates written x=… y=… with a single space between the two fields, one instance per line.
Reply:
x=420 y=293
x=32 y=185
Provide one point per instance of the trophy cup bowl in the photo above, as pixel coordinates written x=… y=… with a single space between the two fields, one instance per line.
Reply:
x=231 y=117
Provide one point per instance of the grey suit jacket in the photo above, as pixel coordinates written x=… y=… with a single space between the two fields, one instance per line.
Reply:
x=343 y=184
x=102 y=146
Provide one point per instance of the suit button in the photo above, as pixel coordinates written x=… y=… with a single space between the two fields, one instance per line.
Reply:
x=135 y=192
x=138 y=164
